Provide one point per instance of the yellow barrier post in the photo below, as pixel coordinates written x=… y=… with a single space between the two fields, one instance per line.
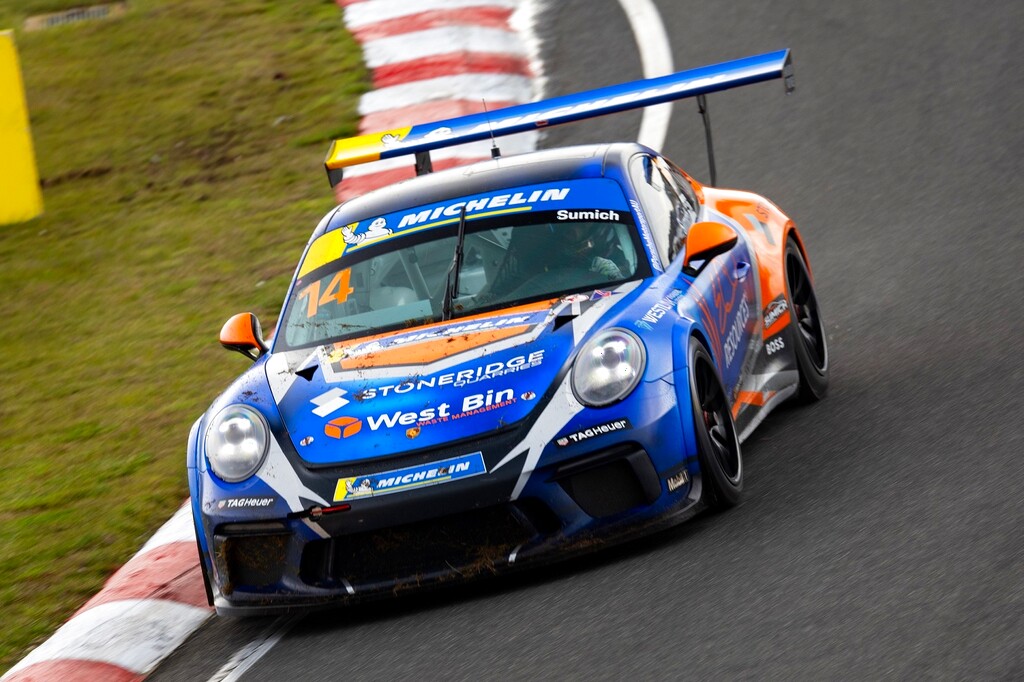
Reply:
x=20 y=198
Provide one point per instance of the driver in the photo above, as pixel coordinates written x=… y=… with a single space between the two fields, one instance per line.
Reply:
x=546 y=250
x=576 y=246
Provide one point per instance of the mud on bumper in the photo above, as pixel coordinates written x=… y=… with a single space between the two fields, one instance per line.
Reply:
x=597 y=498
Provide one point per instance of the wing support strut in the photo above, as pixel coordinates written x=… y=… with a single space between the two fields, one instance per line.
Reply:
x=702 y=107
x=423 y=163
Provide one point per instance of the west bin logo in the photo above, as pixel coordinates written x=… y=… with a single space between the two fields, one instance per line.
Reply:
x=477 y=403
x=343 y=427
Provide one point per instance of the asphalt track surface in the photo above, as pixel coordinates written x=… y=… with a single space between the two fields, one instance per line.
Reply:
x=882 y=532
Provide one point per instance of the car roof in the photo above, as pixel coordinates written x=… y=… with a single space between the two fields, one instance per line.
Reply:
x=564 y=163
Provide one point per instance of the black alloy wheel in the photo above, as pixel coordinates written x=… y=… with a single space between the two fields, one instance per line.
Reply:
x=718 y=447
x=807 y=328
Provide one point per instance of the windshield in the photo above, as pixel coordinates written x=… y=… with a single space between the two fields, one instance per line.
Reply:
x=511 y=258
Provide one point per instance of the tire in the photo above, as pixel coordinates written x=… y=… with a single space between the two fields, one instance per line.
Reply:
x=718 y=447
x=807 y=330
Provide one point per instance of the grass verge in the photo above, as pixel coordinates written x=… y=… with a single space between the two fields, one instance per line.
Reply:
x=180 y=149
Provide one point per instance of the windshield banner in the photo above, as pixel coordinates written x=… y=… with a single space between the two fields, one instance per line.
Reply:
x=601 y=196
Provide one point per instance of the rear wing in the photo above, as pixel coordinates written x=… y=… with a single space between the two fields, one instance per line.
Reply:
x=420 y=139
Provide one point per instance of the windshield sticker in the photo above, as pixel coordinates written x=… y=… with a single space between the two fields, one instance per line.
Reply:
x=337 y=291
x=596 y=195
x=378 y=229
x=645 y=232
x=400 y=480
x=588 y=215
x=475 y=206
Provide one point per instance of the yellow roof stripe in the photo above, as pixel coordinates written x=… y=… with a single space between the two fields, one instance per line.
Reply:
x=331 y=246
x=326 y=248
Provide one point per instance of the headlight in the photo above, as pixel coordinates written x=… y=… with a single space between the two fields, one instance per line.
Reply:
x=608 y=367
x=236 y=442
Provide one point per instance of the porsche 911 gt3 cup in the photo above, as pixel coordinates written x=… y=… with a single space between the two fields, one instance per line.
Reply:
x=502 y=364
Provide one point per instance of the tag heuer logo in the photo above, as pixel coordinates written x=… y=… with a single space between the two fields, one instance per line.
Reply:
x=599 y=430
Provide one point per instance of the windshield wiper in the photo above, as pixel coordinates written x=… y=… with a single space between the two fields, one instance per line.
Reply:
x=451 y=287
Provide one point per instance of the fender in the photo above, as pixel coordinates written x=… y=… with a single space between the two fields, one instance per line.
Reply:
x=683 y=330
x=192 y=449
x=192 y=461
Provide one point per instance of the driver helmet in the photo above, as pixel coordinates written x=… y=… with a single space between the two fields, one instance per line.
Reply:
x=576 y=240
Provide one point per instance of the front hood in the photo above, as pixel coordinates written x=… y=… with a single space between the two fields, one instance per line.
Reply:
x=386 y=395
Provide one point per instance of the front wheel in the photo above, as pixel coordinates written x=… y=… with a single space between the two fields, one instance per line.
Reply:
x=807 y=328
x=718 y=448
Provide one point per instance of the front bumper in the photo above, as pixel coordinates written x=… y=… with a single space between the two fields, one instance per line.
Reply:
x=579 y=497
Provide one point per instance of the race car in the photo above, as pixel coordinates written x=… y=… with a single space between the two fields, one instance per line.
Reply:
x=502 y=364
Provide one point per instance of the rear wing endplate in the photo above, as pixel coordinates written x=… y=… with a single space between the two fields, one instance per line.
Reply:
x=420 y=139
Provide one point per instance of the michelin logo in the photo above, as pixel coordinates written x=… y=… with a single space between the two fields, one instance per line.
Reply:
x=400 y=480
x=442 y=133
x=485 y=204
x=378 y=229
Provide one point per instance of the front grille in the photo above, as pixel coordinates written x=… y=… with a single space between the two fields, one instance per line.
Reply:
x=465 y=544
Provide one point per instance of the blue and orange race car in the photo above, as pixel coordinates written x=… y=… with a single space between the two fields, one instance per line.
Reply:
x=502 y=364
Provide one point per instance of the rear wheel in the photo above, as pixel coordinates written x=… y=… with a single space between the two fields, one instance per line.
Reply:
x=806 y=326
x=718 y=448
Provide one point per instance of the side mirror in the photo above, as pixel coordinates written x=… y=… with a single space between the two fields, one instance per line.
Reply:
x=242 y=333
x=707 y=240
